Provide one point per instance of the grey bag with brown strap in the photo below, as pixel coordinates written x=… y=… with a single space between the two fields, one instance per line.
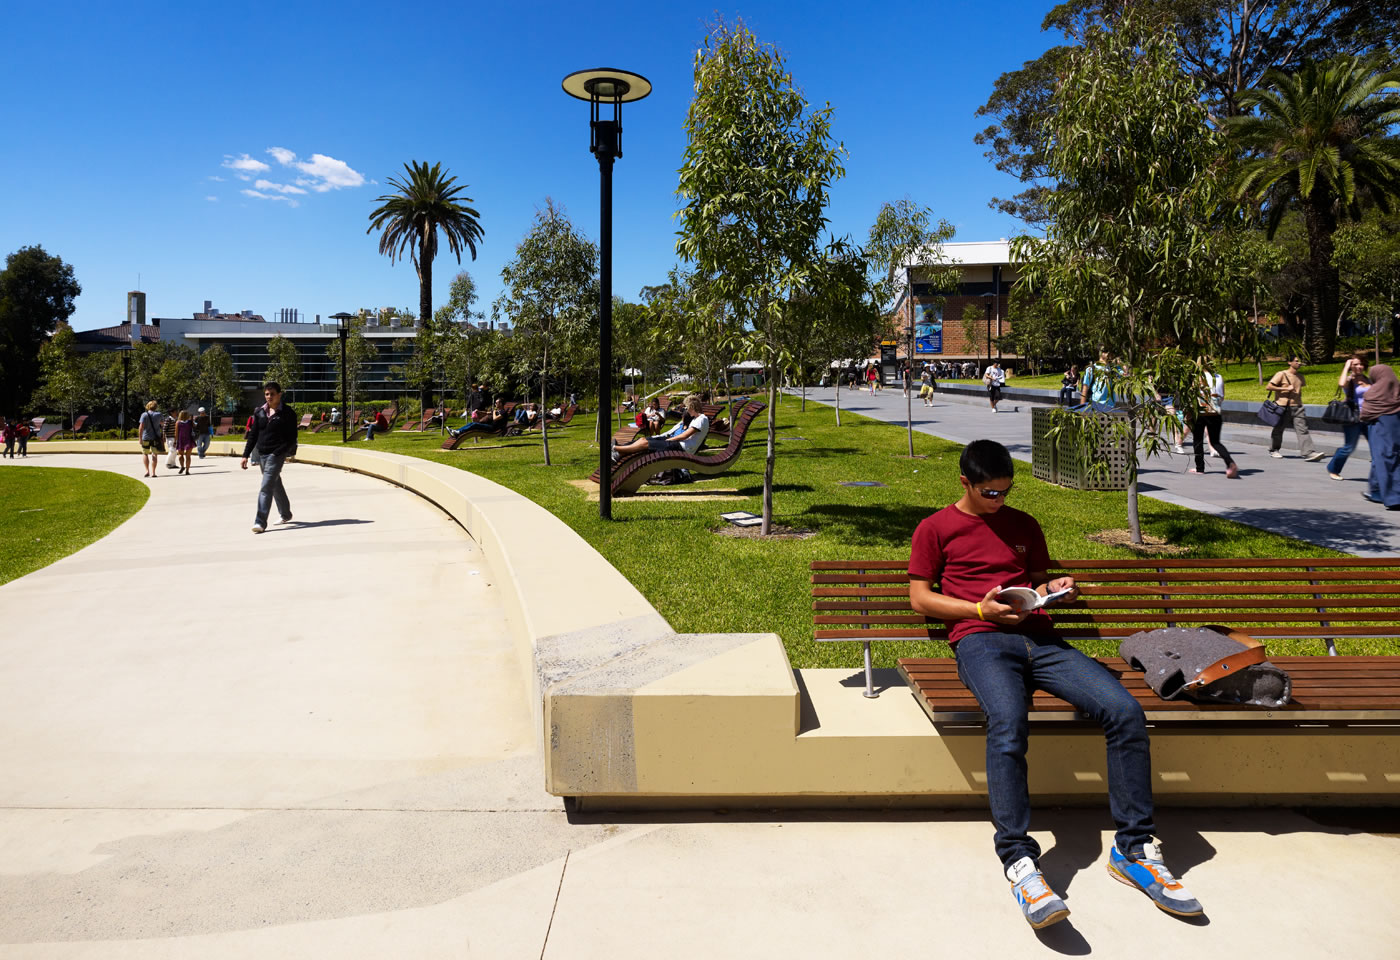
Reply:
x=1207 y=665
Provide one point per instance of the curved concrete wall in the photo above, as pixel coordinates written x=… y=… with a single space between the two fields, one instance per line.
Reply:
x=633 y=714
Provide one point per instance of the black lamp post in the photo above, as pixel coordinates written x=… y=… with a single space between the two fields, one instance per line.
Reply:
x=615 y=87
x=990 y=298
x=126 y=378
x=344 y=332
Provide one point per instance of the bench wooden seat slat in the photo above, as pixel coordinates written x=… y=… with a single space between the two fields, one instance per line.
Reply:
x=1072 y=616
x=1164 y=563
x=1218 y=603
x=1107 y=633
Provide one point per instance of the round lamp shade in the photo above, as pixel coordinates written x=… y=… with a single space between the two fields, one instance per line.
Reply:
x=605 y=83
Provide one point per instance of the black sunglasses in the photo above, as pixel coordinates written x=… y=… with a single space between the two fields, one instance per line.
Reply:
x=995 y=494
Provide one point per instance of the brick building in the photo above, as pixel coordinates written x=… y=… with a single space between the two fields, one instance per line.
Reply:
x=987 y=276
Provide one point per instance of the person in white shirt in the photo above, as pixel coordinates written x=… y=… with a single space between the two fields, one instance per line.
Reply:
x=995 y=379
x=683 y=437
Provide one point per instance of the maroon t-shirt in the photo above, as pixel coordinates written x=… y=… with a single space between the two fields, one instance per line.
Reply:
x=964 y=556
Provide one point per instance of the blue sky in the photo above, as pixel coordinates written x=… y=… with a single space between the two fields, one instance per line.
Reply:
x=131 y=127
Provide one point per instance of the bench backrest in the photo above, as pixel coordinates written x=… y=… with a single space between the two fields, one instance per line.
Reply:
x=1267 y=598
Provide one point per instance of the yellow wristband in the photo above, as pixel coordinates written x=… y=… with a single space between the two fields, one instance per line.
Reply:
x=979 y=610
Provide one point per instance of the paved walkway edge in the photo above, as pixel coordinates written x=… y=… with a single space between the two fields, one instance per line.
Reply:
x=633 y=715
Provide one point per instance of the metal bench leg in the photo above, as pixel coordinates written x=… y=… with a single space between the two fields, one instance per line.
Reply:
x=869 y=674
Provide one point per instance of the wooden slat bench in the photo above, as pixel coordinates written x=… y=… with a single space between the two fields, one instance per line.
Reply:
x=1323 y=599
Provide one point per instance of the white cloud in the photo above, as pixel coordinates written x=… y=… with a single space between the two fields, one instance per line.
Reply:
x=217 y=179
x=328 y=173
x=244 y=164
x=278 y=187
x=269 y=196
x=282 y=155
x=212 y=199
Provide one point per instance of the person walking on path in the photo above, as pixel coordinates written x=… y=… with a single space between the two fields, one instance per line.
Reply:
x=203 y=432
x=167 y=427
x=926 y=386
x=1354 y=384
x=274 y=437
x=7 y=430
x=22 y=432
x=872 y=377
x=1381 y=415
x=995 y=379
x=1287 y=388
x=184 y=440
x=1209 y=420
x=971 y=550
x=148 y=432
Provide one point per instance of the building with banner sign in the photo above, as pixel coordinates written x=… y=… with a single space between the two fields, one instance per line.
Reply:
x=937 y=320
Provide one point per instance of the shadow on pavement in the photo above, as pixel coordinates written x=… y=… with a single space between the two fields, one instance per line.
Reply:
x=1324 y=526
x=303 y=525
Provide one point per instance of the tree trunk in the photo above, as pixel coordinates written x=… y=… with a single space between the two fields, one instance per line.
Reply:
x=1325 y=284
x=772 y=449
x=425 y=276
x=544 y=409
x=909 y=408
x=1134 y=521
x=838 y=396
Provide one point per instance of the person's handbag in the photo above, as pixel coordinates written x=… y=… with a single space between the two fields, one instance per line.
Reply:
x=1340 y=412
x=1211 y=664
x=1270 y=413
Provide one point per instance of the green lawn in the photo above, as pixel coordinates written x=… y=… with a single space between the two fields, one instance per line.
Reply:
x=46 y=513
x=1241 y=381
x=704 y=582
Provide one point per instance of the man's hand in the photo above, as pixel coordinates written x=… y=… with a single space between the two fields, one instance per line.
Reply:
x=244 y=464
x=1063 y=583
x=994 y=611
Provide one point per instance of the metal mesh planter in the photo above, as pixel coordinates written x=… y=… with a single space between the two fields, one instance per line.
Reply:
x=1057 y=463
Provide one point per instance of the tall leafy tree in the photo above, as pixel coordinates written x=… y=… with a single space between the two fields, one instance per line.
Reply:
x=905 y=235
x=551 y=293
x=753 y=187
x=1226 y=46
x=64 y=377
x=37 y=291
x=284 y=366
x=359 y=351
x=1321 y=142
x=427 y=201
x=1139 y=240
x=216 y=379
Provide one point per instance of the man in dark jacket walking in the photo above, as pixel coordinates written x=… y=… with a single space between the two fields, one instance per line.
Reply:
x=274 y=436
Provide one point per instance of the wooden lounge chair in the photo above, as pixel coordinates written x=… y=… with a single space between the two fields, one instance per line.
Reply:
x=79 y=423
x=46 y=431
x=305 y=421
x=225 y=425
x=563 y=419
x=415 y=426
x=629 y=475
x=504 y=429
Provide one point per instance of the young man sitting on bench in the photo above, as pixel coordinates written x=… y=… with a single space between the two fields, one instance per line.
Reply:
x=683 y=436
x=971 y=550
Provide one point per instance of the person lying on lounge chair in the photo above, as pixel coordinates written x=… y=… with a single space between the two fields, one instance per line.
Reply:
x=685 y=437
x=494 y=422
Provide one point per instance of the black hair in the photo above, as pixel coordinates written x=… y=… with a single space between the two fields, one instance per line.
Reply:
x=984 y=460
x=273 y=385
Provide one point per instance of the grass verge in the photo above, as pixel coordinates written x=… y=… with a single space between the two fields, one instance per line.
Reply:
x=50 y=512
x=701 y=581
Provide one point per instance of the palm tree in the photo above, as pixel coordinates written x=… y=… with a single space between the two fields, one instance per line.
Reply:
x=1319 y=142
x=426 y=202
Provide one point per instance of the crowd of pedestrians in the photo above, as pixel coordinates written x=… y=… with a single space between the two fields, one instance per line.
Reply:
x=16 y=435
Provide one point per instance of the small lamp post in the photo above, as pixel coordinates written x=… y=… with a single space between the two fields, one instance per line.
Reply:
x=991 y=299
x=126 y=379
x=343 y=332
x=614 y=87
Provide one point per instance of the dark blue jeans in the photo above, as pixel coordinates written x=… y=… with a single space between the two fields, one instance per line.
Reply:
x=1002 y=670
x=271 y=488
x=1351 y=433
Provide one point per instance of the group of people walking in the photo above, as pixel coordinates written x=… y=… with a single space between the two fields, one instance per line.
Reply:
x=177 y=436
x=16 y=435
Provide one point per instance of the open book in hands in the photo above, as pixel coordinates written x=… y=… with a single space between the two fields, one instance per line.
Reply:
x=1024 y=599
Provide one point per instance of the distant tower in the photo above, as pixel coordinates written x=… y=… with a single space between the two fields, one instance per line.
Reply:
x=136 y=308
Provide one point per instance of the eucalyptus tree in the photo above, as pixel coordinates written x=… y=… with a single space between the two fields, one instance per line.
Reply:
x=551 y=294
x=216 y=379
x=904 y=236
x=1321 y=141
x=359 y=352
x=63 y=377
x=427 y=201
x=1140 y=238
x=753 y=188
x=37 y=292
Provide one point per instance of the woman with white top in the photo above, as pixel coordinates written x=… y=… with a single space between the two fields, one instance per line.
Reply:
x=1354 y=383
x=1209 y=420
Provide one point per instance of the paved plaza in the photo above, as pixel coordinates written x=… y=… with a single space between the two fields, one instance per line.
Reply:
x=1287 y=496
x=317 y=743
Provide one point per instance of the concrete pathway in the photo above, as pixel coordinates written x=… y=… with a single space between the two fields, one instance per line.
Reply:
x=314 y=743
x=1288 y=496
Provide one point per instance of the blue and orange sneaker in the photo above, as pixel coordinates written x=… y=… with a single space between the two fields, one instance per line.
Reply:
x=1149 y=874
x=1040 y=905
